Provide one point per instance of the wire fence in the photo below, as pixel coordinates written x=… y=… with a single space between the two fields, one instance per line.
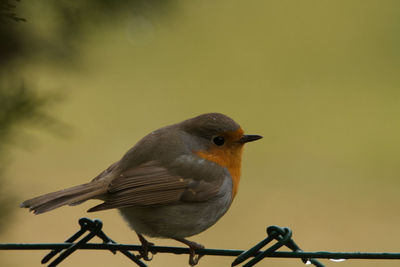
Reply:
x=277 y=236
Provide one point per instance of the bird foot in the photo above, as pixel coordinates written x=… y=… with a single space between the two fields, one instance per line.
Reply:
x=193 y=246
x=144 y=252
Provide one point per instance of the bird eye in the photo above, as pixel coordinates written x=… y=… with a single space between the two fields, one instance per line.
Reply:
x=219 y=140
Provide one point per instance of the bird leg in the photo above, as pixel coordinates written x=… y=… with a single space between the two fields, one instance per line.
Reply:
x=193 y=246
x=144 y=253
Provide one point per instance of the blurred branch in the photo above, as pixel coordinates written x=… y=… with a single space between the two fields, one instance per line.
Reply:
x=20 y=43
x=7 y=8
x=18 y=104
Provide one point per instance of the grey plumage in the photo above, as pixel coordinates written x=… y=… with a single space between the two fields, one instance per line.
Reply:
x=139 y=178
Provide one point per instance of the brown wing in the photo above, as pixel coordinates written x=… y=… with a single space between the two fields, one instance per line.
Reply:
x=152 y=185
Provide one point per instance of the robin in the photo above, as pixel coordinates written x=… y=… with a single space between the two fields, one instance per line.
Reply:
x=174 y=183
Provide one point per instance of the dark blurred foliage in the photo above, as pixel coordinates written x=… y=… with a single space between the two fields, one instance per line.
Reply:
x=7 y=11
x=16 y=102
x=20 y=103
x=72 y=20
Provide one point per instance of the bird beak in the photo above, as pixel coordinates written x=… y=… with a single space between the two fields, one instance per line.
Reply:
x=249 y=138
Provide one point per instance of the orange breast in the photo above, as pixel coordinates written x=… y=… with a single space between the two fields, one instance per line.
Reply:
x=228 y=157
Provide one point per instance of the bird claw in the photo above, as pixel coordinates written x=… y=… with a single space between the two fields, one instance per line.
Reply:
x=193 y=246
x=144 y=252
x=193 y=258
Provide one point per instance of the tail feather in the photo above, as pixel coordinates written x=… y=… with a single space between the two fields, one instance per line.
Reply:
x=70 y=196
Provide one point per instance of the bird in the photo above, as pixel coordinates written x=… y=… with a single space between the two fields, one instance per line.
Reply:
x=174 y=183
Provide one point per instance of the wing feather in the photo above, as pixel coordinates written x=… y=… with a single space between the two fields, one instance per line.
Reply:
x=146 y=185
x=153 y=185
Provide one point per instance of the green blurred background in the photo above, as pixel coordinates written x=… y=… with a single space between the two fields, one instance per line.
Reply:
x=320 y=80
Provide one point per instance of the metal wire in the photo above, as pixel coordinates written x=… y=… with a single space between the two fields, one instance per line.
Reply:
x=281 y=237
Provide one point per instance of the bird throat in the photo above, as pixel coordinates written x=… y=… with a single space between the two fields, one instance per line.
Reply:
x=228 y=157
